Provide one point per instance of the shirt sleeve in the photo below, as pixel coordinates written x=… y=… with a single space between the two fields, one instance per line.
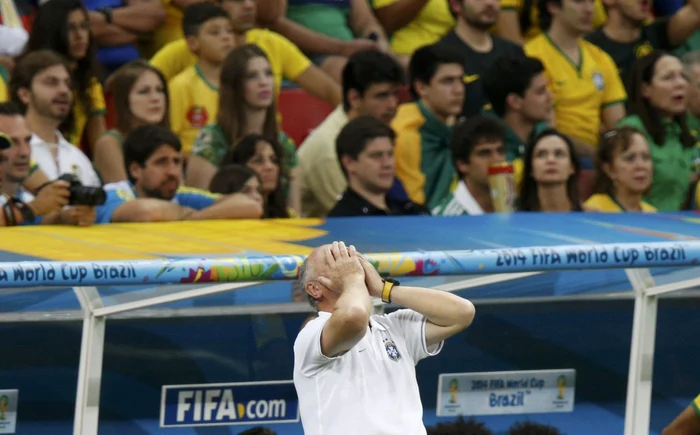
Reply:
x=614 y=91
x=294 y=62
x=178 y=106
x=326 y=181
x=289 y=148
x=97 y=99
x=411 y=325
x=4 y=80
x=195 y=198
x=207 y=146
x=115 y=198
x=408 y=157
x=696 y=406
x=659 y=28
x=172 y=59
x=308 y=356
x=511 y=5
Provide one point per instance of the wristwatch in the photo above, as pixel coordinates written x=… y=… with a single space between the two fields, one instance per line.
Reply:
x=389 y=284
x=107 y=12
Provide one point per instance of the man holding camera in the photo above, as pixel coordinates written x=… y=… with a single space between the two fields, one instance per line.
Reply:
x=18 y=206
x=354 y=372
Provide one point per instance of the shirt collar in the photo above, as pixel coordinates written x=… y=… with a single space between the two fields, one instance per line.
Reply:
x=61 y=141
x=373 y=323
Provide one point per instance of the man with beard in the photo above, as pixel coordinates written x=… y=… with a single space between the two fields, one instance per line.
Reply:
x=478 y=47
x=628 y=34
x=365 y=148
x=153 y=159
x=42 y=87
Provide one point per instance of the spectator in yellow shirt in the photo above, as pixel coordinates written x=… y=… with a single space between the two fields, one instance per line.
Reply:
x=587 y=89
x=287 y=60
x=519 y=20
x=194 y=93
x=623 y=173
x=413 y=23
x=64 y=27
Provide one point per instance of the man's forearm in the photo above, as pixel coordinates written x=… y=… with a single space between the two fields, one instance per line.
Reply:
x=439 y=307
x=306 y=39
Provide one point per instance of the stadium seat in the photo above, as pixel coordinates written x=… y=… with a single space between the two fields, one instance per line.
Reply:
x=301 y=113
x=405 y=94
x=111 y=115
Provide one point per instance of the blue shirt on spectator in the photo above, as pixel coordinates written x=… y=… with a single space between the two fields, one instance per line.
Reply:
x=123 y=191
x=112 y=58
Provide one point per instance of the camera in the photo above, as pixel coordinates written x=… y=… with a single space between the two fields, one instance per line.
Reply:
x=83 y=195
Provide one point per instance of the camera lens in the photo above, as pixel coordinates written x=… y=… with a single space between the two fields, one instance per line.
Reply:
x=84 y=195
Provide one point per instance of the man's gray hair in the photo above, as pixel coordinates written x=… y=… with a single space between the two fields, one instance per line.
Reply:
x=306 y=274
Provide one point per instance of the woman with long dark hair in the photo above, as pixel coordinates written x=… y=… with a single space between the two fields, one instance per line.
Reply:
x=140 y=98
x=263 y=156
x=658 y=107
x=64 y=27
x=550 y=176
x=246 y=106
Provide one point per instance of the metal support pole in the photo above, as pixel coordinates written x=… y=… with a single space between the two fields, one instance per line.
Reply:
x=87 y=403
x=639 y=381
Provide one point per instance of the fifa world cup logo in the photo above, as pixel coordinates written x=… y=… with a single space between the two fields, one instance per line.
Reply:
x=454 y=386
x=561 y=385
x=4 y=401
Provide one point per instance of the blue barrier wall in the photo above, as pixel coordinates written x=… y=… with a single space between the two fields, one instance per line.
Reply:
x=40 y=359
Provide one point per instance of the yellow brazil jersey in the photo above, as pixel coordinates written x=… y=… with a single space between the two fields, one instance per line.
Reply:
x=98 y=107
x=606 y=204
x=286 y=59
x=194 y=103
x=599 y=15
x=4 y=80
x=432 y=23
x=170 y=30
x=580 y=91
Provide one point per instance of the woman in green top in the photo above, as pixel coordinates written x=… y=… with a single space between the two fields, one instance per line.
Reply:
x=246 y=106
x=140 y=98
x=658 y=103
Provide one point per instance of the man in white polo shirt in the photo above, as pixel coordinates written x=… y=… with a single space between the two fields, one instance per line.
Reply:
x=43 y=89
x=355 y=372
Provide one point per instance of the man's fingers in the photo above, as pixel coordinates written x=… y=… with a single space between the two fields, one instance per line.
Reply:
x=343 y=249
x=352 y=251
x=325 y=282
x=335 y=250
x=328 y=254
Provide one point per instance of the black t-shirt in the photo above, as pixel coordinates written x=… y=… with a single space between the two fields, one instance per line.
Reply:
x=352 y=204
x=653 y=37
x=475 y=64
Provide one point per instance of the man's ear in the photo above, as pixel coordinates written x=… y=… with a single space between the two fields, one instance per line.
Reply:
x=24 y=95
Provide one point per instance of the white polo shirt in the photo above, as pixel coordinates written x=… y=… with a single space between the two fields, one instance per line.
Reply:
x=70 y=159
x=369 y=390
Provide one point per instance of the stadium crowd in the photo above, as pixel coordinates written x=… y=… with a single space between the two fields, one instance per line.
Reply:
x=166 y=110
x=147 y=110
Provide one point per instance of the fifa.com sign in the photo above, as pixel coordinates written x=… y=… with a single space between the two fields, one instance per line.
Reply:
x=229 y=404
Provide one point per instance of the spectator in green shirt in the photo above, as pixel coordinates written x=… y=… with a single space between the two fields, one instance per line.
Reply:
x=658 y=104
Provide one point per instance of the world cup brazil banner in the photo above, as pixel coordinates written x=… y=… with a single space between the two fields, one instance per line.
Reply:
x=493 y=393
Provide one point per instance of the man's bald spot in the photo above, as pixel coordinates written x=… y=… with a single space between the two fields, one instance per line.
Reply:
x=310 y=264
